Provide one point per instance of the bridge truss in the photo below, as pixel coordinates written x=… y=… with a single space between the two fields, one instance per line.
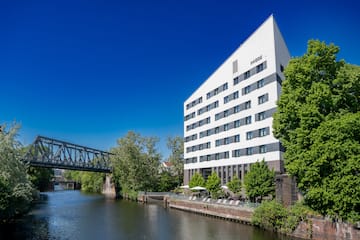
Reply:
x=51 y=153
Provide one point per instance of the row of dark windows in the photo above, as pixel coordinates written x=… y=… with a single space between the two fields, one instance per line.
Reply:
x=194 y=103
x=217 y=90
x=198 y=147
x=189 y=116
x=198 y=124
x=191 y=138
x=250 y=73
x=262 y=132
x=235 y=95
x=208 y=107
x=259 y=149
x=227 y=140
x=234 y=124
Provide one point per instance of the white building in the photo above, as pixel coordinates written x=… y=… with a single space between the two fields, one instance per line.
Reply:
x=228 y=119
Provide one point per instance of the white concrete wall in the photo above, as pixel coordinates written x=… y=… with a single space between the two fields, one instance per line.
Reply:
x=261 y=43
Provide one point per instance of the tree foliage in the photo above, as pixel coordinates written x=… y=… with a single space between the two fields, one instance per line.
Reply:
x=317 y=120
x=213 y=185
x=234 y=185
x=176 y=158
x=272 y=215
x=16 y=191
x=260 y=181
x=91 y=182
x=136 y=162
x=197 y=180
x=41 y=177
x=167 y=182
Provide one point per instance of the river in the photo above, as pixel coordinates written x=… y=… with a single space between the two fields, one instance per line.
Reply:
x=75 y=215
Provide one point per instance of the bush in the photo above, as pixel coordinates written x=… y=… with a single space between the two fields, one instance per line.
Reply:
x=272 y=215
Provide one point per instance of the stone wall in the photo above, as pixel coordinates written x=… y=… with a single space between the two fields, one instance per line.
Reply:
x=319 y=229
x=233 y=213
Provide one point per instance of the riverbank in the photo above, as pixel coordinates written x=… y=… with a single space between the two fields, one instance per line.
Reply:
x=316 y=228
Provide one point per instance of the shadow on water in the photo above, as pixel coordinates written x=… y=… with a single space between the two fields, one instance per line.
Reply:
x=74 y=215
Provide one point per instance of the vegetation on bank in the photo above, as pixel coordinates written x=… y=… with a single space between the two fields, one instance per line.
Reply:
x=318 y=122
x=259 y=181
x=273 y=216
x=91 y=182
x=16 y=189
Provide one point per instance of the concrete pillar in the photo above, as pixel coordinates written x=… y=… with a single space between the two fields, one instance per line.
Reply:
x=109 y=187
x=242 y=172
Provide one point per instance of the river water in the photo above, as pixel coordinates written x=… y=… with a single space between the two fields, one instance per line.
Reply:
x=74 y=215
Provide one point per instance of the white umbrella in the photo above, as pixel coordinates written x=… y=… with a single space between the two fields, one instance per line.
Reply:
x=185 y=186
x=198 y=188
x=224 y=187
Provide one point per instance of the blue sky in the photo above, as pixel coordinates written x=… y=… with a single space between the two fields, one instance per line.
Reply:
x=89 y=71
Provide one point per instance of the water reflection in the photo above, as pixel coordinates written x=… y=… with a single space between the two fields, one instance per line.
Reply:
x=73 y=215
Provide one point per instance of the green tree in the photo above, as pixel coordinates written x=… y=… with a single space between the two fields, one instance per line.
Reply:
x=41 y=177
x=260 y=181
x=16 y=191
x=136 y=162
x=213 y=185
x=234 y=185
x=91 y=182
x=176 y=158
x=316 y=120
x=197 y=180
x=167 y=182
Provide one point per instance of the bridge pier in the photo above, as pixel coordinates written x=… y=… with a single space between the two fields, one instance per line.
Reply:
x=109 y=187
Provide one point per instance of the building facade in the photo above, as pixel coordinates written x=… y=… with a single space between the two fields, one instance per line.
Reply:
x=228 y=119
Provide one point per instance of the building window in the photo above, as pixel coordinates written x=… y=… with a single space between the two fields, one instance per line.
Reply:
x=281 y=68
x=208 y=132
x=217 y=143
x=217 y=156
x=247 y=104
x=226 y=155
x=246 y=89
x=226 y=99
x=217 y=117
x=208 y=120
x=262 y=132
x=237 y=138
x=237 y=109
x=208 y=157
x=260 y=83
x=259 y=67
x=236 y=80
x=261 y=116
x=208 y=95
x=249 y=135
x=236 y=95
x=262 y=99
x=208 y=145
x=216 y=91
x=249 y=151
x=246 y=74
x=226 y=113
x=216 y=104
x=217 y=130
x=262 y=149
x=248 y=120
x=226 y=141
x=237 y=153
x=225 y=86
x=236 y=123
x=226 y=127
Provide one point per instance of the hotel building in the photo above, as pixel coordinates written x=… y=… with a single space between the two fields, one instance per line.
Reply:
x=228 y=119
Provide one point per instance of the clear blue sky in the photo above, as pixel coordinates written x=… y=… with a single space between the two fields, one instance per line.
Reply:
x=89 y=71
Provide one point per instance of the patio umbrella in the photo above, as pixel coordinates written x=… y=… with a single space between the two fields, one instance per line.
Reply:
x=198 y=188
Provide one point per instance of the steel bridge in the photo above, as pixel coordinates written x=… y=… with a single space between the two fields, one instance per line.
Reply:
x=51 y=153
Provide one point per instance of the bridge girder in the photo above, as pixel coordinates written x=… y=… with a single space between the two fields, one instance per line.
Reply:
x=51 y=153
